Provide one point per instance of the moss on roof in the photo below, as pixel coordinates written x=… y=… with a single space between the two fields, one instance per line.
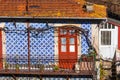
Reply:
x=48 y=8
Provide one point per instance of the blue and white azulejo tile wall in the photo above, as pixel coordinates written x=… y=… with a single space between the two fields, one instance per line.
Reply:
x=84 y=45
x=16 y=41
x=41 y=44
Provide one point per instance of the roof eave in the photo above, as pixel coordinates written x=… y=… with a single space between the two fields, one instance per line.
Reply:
x=50 y=19
x=114 y=21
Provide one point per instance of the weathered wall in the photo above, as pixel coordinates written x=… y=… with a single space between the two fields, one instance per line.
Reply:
x=95 y=36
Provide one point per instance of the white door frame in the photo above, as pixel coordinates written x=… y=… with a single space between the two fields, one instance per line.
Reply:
x=107 y=51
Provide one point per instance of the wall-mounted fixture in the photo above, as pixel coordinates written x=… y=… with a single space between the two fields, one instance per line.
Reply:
x=88 y=7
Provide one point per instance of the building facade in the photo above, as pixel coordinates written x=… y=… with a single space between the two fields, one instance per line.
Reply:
x=53 y=34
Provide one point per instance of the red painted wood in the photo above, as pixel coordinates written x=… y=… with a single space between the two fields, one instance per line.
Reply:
x=113 y=23
x=67 y=57
x=119 y=37
x=1 y=62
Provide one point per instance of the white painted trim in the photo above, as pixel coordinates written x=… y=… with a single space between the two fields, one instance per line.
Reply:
x=109 y=48
x=95 y=36
x=95 y=43
x=56 y=45
x=116 y=27
x=79 y=43
x=3 y=44
x=112 y=30
x=59 y=25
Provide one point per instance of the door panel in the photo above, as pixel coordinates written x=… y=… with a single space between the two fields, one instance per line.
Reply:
x=67 y=48
x=108 y=41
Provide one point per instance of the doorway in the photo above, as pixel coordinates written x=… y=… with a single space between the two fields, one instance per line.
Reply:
x=67 y=42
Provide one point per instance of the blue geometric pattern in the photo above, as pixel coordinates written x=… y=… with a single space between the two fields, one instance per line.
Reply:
x=41 y=45
x=16 y=42
x=84 y=45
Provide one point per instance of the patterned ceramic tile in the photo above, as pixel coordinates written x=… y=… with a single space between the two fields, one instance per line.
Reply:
x=41 y=45
x=84 y=45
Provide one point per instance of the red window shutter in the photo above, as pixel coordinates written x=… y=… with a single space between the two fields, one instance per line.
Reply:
x=119 y=37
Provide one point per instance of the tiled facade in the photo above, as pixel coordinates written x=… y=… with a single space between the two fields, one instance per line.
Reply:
x=84 y=45
x=16 y=42
x=41 y=43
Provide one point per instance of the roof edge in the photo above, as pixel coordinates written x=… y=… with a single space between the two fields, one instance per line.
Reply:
x=52 y=19
x=114 y=21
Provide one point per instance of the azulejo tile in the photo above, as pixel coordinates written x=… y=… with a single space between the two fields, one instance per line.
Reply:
x=84 y=44
x=41 y=44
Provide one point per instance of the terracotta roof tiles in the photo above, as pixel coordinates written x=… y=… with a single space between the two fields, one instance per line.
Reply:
x=50 y=8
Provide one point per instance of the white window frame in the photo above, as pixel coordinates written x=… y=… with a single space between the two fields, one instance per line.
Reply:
x=106 y=28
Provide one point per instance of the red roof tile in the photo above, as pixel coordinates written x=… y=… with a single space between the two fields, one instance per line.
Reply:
x=49 y=8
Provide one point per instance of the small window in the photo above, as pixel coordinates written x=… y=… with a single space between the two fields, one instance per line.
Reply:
x=72 y=32
x=63 y=40
x=105 y=37
x=72 y=41
x=63 y=48
x=63 y=31
x=72 y=48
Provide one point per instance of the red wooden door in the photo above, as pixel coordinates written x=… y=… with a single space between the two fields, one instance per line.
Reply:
x=67 y=48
